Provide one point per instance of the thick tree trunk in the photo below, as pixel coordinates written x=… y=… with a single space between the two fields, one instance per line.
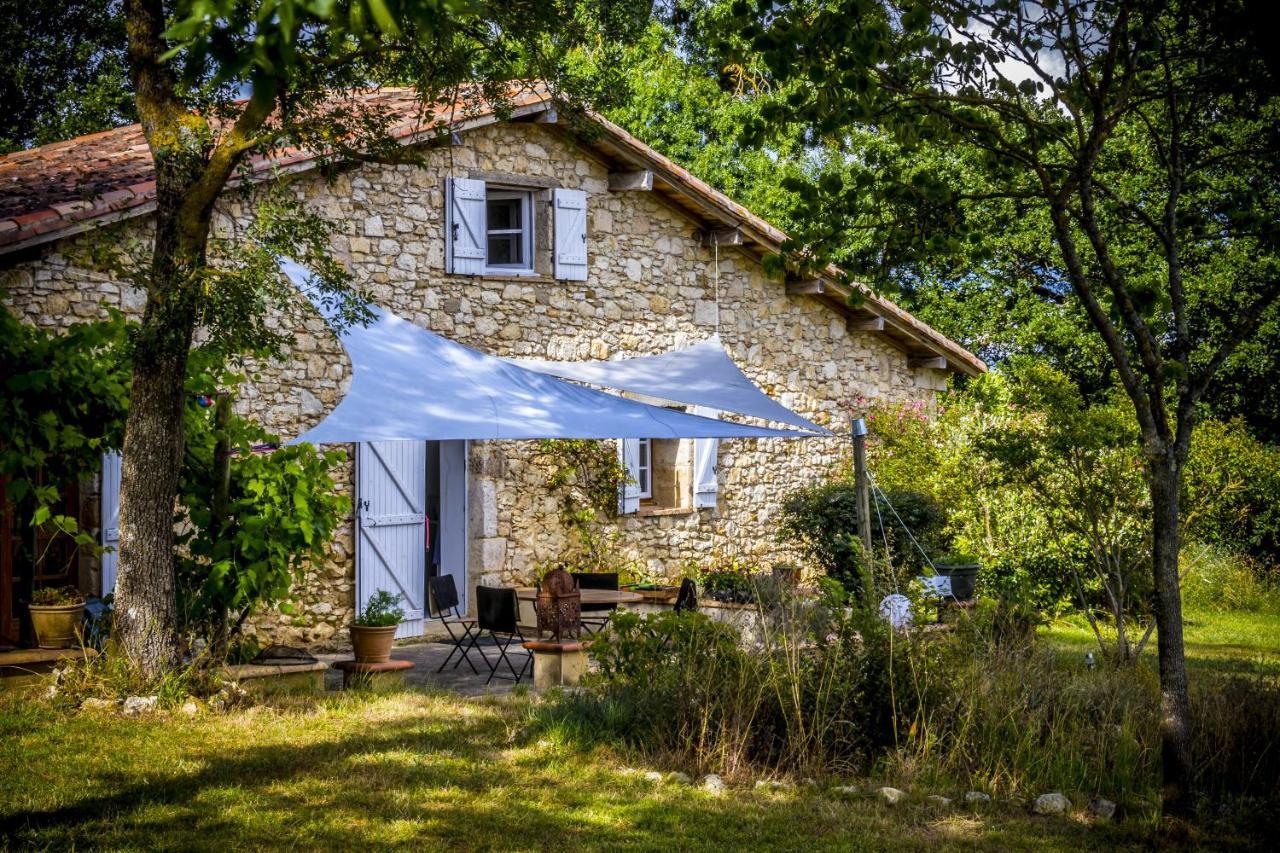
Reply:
x=146 y=610
x=145 y=613
x=1175 y=703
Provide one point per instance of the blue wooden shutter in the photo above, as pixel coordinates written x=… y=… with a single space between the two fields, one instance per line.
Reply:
x=570 y=234
x=391 y=494
x=465 y=245
x=706 y=471
x=109 y=528
x=629 y=455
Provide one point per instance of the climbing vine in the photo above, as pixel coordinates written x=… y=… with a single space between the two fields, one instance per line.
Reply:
x=586 y=476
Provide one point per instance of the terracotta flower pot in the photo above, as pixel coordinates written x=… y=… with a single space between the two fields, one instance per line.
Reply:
x=372 y=645
x=56 y=625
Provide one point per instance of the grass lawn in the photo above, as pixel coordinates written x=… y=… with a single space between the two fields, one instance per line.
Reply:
x=418 y=770
x=1225 y=642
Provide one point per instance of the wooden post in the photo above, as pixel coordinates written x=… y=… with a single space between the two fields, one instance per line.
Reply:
x=221 y=462
x=859 y=433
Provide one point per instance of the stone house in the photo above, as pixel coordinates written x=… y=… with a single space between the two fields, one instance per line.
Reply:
x=524 y=236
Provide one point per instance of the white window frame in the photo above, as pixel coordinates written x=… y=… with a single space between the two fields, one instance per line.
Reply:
x=526 y=231
x=644 y=468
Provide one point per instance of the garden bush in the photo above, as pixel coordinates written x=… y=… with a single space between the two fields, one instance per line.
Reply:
x=823 y=522
x=812 y=694
x=282 y=510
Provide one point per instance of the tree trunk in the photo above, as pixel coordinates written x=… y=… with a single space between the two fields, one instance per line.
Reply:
x=145 y=622
x=1175 y=703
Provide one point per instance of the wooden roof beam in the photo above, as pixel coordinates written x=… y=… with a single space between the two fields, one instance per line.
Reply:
x=639 y=181
x=806 y=287
x=722 y=237
x=931 y=362
x=865 y=324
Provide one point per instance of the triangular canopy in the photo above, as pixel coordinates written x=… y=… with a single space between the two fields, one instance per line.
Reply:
x=703 y=375
x=411 y=384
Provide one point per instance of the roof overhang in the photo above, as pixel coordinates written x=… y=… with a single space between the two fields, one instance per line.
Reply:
x=724 y=221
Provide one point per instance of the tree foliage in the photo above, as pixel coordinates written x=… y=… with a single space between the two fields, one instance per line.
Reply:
x=64 y=70
x=62 y=407
x=282 y=509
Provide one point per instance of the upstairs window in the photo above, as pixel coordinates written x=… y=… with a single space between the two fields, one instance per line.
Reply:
x=508 y=231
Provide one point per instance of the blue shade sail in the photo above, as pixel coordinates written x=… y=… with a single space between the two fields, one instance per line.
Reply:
x=409 y=384
x=701 y=375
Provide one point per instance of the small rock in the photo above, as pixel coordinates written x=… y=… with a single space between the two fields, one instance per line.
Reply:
x=93 y=703
x=1053 y=803
x=652 y=776
x=810 y=782
x=845 y=790
x=891 y=796
x=938 y=801
x=135 y=705
x=773 y=785
x=974 y=798
x=190 y=708
x=1101 y=808
x=678 y=778
x=713 y=784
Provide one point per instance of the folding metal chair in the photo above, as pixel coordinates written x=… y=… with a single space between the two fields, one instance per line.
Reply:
x=443 y=604
x=498 y=613
x=596 y=580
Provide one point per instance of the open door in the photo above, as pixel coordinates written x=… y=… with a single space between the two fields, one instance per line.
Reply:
x=452 y=548
x=391 y=492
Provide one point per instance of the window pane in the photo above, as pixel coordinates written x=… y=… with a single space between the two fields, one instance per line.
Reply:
x=506 y=250
x=504 y=213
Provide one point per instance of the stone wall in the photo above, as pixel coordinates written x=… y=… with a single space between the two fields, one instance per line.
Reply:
x=651 y=287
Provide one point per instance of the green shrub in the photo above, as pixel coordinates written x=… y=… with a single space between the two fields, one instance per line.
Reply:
x=282 y=510
x=812 y=693
x=381 y=611
x=823 y=522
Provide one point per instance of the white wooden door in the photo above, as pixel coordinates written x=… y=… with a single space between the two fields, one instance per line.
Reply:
x=391 y=494
x=109 y=524
x=453 y=516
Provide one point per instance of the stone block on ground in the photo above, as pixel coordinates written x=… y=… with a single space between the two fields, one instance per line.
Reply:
x=891 y=796
x=1052 y=804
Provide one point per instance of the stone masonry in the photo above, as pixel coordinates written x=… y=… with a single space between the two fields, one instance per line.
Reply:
x=651 y=287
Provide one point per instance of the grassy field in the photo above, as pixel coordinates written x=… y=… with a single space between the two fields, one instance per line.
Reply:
x=1224 y=642
x=411 y=769
x=415 y=770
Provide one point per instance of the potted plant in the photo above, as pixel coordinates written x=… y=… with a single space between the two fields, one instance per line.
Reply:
x=374 y=630
x=963 y=571
x=56 y=614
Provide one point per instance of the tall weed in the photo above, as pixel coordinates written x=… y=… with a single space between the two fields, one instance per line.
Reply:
x=1216 y=579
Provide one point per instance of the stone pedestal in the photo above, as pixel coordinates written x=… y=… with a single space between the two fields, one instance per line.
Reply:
x=381 y=676
x=557 y=664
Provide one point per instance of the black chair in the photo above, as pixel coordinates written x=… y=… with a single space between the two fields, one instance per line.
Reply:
x=687 y=597
x=597 y=580
x=443 y=605
x=498 y=615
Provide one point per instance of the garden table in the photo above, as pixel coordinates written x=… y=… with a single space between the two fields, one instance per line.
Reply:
x=589 y=596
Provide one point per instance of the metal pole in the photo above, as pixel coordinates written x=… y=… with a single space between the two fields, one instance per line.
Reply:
x=859 y=434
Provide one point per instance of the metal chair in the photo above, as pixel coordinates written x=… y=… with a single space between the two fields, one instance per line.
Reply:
x=597 y=580
x=687 y=597
x=443 y=604
x=498 y=614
